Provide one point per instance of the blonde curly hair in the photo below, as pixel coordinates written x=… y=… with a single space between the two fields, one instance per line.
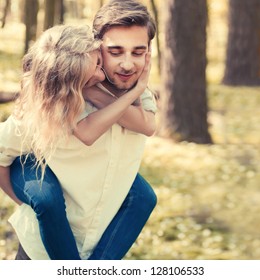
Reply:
x=51 y=101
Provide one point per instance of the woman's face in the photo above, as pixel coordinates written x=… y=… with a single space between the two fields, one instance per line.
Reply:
x=95 y=74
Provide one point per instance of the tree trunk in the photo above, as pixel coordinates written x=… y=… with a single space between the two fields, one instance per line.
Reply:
x=59 y=12
x=49 y=10
x=184 y=100
x=101 y=3
x=6 y=10
x=31 y=9
x=7 y=96
x=156 y=18
x=243 y=48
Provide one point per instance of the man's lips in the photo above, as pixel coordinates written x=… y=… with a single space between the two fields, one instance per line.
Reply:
x=125 y=77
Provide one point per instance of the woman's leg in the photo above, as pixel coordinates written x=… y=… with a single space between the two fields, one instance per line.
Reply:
x=47 y=201
x=49 y=205
x=128 y=222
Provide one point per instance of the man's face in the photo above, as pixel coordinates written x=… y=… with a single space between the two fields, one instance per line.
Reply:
x=123 y=51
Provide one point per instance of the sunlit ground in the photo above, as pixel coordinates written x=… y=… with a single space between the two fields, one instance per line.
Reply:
x=208 y=201
x=208 y=195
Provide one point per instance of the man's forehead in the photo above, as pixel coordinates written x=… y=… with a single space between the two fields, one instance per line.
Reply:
x=126 y=37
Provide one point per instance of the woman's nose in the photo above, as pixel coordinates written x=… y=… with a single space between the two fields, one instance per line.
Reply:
x=100 y=60
x=100 y=75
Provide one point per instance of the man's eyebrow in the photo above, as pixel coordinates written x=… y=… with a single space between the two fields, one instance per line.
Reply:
x=114 y=47
x=140 y=48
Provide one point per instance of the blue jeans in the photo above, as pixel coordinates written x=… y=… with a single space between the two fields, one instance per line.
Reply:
x=48 y=203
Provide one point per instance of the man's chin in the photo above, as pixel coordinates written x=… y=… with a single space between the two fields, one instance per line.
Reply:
x=126 y=87
x=120 y=87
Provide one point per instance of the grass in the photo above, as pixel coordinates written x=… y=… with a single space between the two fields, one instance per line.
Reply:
x=208 y=201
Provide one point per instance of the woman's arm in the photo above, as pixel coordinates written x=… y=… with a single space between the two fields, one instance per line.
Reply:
x=97 y=123
x=135 y=118
x=5 y=183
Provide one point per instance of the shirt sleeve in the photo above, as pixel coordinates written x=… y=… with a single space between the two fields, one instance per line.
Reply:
x=10 y=141
x=148 y=101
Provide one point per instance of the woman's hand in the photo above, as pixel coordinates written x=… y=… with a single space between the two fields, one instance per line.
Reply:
x=143 y=79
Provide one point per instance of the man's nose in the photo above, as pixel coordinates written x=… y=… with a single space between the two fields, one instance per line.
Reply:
x=127 y=64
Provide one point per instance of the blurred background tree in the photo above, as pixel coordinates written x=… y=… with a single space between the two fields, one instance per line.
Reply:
x=50 y=13
x=243 y=48
x=184 y=99
x=6 y=9
x=31 y=8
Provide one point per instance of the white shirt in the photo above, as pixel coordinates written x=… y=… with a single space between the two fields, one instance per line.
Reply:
x=95 y=181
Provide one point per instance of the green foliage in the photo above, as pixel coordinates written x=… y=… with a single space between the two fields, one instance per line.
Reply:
x=233 y=115
x=8 y=239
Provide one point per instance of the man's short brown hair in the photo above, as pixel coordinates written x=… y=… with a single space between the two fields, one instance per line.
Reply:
x=123 y=13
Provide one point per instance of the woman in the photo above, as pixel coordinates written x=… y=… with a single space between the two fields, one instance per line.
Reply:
x=47 y=118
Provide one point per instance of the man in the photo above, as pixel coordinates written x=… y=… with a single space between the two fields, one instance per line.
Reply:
x=126 y=30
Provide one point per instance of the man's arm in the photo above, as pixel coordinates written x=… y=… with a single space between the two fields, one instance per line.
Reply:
x=135 y=118
x=5 y=183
